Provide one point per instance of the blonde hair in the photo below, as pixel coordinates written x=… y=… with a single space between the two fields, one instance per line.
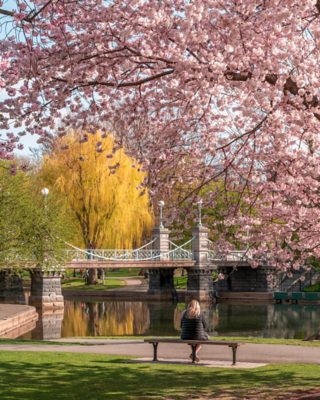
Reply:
x=193 y=309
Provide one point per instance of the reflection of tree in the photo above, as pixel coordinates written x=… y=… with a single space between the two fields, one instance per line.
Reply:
x=107 y=318
x=282 y=321
x=293 y=321
x=125 y=318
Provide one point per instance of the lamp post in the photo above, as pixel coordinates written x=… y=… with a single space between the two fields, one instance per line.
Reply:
x=45 y=193
x=161 y=205
x=45 y=238
x=200 y=202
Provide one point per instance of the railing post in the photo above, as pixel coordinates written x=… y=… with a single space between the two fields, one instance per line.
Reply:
x=200 y=284
x=200 y=246
x=160 y=237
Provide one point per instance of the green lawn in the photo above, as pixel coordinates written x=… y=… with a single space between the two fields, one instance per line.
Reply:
x=78 y=283
x=180 y=282
x=313 y=288
x=71 y=376
x=123 y=272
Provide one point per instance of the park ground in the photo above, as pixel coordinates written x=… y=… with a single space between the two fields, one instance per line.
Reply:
x=121 y=368
x=110 y=369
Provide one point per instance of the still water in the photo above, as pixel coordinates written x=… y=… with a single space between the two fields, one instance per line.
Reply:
x=107 y=318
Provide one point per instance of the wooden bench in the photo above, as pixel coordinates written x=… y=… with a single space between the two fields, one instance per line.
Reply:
x=193 y=343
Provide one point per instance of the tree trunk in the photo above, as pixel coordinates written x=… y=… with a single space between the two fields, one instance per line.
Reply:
x=92 y=277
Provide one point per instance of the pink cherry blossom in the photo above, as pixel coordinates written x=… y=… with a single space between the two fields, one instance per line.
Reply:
x=198 y=92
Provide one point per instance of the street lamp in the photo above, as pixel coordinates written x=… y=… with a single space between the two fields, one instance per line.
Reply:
x=45 y=192
x=161 y=205
x=200 y=202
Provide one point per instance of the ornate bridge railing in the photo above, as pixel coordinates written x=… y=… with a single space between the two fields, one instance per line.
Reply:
x=238 y=255
x=112 y=255
x=127 y=255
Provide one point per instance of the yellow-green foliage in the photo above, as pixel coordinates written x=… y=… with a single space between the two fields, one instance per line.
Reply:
x=102 y=187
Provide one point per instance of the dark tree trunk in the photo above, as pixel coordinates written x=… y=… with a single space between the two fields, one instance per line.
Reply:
x=92 y=277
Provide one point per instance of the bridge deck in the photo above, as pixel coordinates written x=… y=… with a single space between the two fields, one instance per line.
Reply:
x=87 y=264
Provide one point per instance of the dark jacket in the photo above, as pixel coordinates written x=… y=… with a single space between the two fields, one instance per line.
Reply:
x=193 y=328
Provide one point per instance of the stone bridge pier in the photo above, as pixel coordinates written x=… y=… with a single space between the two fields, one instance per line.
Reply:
x=200 y=283
x=46 y=289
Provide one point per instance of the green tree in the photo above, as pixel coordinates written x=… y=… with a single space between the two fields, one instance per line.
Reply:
x=31 y=227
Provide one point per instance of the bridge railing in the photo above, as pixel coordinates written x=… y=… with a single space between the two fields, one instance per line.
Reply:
x=110 y=254
x=182 y=252
x=237 y=255
x=127 y=255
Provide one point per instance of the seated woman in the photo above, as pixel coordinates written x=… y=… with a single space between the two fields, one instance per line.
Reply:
x=193 y=325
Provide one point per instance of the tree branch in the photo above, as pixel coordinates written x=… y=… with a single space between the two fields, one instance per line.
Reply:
x=12 y=14
x=30 y=17
x=290 y=85
x=119 y=85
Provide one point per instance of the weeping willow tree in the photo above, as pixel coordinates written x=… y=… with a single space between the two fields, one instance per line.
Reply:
x=102 y=187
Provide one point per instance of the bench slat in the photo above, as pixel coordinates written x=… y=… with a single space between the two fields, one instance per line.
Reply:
x=209 y=342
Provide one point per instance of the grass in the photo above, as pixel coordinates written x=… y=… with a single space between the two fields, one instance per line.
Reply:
x=75 y=376
x=123 y=272
x=79 y=284
x=313 y=288
x=112 y=273
x=180 y=282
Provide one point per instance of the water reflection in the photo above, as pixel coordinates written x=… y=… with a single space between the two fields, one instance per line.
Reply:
x=48 y=326
x=147 y=318
x=121 y=318
x=274 y=320
x=105 y=318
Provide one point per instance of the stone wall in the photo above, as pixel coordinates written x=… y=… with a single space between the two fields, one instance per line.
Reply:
x=16 y=320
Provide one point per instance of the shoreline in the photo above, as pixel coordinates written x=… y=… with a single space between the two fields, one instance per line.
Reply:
x=16 y=320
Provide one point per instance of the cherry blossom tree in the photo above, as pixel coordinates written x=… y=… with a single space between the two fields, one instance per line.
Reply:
x=210 y=89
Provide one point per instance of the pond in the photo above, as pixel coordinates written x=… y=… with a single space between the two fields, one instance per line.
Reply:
x=123 y=318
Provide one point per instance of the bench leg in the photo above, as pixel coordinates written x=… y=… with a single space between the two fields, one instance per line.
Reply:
x=155 y=348
x=193 y=347
x=234 y=355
